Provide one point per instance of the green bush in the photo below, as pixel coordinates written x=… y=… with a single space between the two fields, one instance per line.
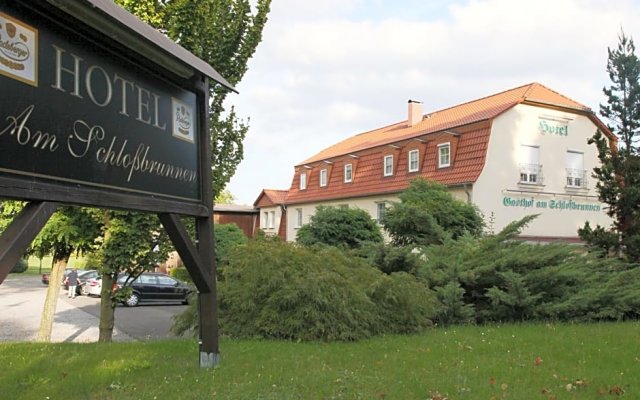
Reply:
x=340 y=226
x=273 y=289
x=279 y=290
x=181 y=273
x=497 y=278
x=404 y=305
x=388 y=258
x=227 y=237
x=21 y=266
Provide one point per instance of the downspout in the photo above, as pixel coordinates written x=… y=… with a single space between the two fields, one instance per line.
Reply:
x=283 y=211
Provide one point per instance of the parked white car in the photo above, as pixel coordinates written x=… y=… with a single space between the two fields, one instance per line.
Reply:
x=92 y=287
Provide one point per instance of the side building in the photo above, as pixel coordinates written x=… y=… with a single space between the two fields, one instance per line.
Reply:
x=519 y=152
x=273 y=215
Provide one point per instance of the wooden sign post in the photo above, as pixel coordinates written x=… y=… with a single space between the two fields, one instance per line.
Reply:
x=99 y=109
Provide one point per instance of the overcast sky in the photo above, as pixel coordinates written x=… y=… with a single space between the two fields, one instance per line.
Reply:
x=329 y=69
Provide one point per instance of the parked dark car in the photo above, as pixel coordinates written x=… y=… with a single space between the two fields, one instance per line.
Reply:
x=153 y=286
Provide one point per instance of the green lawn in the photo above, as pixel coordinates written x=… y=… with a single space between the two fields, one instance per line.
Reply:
x=541 y=361
x=34 y=264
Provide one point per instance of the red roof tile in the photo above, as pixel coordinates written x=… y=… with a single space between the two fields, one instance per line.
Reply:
x=271 y=197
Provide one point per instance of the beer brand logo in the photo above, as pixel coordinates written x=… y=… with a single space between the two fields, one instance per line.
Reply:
x=183 y=123
x=18 y=50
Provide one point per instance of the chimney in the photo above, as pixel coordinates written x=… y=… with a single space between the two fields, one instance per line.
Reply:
x=415 y=112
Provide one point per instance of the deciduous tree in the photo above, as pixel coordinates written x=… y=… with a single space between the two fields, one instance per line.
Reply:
x=427 y=213
x=339 y=226
x=225 y=34
x=70 y=229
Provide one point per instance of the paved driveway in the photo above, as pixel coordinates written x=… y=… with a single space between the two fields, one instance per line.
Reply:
x=76 y=320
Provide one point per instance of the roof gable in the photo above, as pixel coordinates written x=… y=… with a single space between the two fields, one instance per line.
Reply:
x=271 y=197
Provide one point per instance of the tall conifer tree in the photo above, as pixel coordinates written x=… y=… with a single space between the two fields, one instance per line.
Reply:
x=619 y=173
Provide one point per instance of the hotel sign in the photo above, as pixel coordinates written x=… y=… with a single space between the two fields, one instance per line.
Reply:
x=77 y=114
x=552 y=126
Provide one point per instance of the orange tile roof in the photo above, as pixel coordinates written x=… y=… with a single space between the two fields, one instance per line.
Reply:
x=271 y=197
x=474 y=111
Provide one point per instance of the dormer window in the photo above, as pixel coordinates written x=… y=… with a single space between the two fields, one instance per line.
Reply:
x=444 y=155
x=388 y=165
x=348 y=173
x=413 y=160
x=303 y=180
x=323 y=177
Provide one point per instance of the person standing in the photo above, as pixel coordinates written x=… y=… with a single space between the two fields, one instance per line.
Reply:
x=72 y=282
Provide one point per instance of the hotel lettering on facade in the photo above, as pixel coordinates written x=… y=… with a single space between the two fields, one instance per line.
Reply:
x=519 y=152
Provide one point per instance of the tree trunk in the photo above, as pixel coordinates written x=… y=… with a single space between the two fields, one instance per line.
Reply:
x=107 y=309
x=51 y=301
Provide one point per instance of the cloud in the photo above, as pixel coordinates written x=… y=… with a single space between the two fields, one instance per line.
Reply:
x=329 y=69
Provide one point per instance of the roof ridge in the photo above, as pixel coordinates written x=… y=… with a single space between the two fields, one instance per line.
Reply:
x=554 y=91
x=480 y=98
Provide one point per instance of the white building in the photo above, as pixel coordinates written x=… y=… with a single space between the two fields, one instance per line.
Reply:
x=522 y=151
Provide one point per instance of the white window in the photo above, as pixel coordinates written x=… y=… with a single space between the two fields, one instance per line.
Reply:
x=576 y=175
x=303 y=181
x=530 y=168
x=388 y=165
x=323 y=177
x=272 y=220
x=381 y=209
x=444 y=155
x=348 y=173
x=413 y=161
x=298 y=217
x=265 y=220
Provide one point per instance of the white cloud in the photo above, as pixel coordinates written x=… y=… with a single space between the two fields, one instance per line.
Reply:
x=330 y=69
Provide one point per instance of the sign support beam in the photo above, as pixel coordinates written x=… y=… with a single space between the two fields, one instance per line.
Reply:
x=21 y=232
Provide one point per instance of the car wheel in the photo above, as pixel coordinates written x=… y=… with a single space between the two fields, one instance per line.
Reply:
x=185 y=301
x=133 y=300
x=83 y=290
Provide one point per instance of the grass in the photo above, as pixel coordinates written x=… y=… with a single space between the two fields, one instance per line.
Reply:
x=531 y=361
x=34 y=264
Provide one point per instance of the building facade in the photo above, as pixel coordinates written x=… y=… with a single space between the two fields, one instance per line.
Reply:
x=519 y=152
x=273 y=215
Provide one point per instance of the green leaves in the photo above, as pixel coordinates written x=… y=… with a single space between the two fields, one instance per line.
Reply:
x=339 y=226
x=428 y=214
x=225 y=34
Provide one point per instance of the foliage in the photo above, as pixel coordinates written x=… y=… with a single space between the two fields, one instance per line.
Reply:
x=388 y=258
x=225 y=34
x=9 y=209
x=427 y=214
x=21 y=266
x=227 y=237
x=339 y=226
x=497 y=278
x=70 y=229
x=135 y=243
x=619 y=173
x=273 y=289
x=224 y=197
x=181 y=274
